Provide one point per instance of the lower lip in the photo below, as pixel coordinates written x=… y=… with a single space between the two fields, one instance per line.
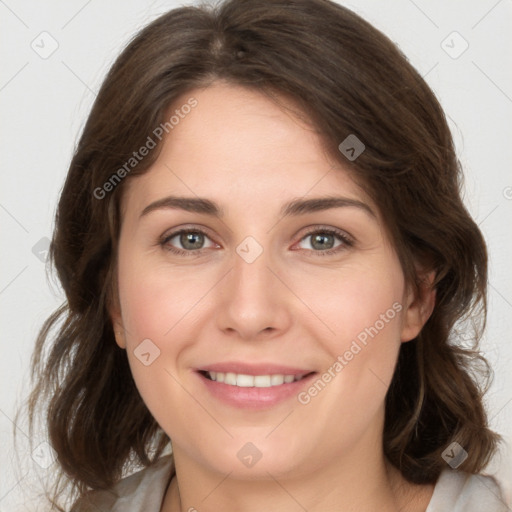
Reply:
x=253 y=397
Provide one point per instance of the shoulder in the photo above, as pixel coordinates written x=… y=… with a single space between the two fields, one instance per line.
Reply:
x=141 y=491
x=457 y=491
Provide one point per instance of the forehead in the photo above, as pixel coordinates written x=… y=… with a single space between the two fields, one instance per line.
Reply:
x=237 y=145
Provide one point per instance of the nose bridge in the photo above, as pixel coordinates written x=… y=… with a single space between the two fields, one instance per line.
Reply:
x=254 y=299
x=251 y=274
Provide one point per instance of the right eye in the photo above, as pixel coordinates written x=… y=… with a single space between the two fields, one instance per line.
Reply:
x=190 y=239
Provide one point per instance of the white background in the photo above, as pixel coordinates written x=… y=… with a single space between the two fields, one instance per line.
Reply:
x=44 y=103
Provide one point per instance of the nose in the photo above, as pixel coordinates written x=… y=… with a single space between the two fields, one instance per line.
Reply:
x=253 y=300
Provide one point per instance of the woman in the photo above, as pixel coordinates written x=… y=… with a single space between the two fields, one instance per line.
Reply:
x=264 y=253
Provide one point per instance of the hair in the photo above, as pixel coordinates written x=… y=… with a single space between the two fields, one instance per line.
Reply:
x=345 y=77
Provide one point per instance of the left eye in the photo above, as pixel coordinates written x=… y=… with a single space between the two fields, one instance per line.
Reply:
x=324 y=240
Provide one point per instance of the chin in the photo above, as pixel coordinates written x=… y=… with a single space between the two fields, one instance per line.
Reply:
x=248 y=462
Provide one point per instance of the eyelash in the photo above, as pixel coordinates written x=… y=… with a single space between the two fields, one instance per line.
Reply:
x=340 y=235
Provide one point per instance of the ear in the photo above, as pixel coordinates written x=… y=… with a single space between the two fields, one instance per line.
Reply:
x=117 y=323
x=419 y=307
x=114 y=311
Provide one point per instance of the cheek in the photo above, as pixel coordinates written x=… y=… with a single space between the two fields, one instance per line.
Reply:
x=360 y=309
x=356 y=302
x=160 y=308
x=157 y=302
x=156 y=308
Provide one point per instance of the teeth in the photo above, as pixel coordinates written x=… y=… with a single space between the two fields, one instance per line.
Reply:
x=276 y=380
x=256 y=381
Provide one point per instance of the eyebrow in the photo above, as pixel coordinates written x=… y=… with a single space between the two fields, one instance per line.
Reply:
x=292 y=208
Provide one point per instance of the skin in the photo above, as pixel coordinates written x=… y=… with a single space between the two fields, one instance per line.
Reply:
x=290 y=306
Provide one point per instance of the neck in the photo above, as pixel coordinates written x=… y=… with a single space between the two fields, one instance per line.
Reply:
x=357 y=481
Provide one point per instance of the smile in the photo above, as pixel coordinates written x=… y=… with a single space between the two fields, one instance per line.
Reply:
x=253 y=387
x=250 y=381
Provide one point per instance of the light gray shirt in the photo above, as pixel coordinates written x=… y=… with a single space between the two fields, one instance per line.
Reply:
x=455 y=491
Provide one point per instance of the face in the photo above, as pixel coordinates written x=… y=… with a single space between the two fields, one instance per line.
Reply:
x=262 y=328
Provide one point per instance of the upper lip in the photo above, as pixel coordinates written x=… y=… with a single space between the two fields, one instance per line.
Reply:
x=254 y=369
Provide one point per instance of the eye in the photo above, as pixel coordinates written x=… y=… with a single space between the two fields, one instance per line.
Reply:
x=192 y=241
x=323 y=241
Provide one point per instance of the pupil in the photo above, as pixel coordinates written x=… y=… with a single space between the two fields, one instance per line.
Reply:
x=189 y=238
x=323 y=244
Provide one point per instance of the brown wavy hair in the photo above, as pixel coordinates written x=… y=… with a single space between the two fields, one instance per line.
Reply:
x=345 y=77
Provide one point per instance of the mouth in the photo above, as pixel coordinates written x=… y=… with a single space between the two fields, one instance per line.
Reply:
x=242 y=380
x=253 y=387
